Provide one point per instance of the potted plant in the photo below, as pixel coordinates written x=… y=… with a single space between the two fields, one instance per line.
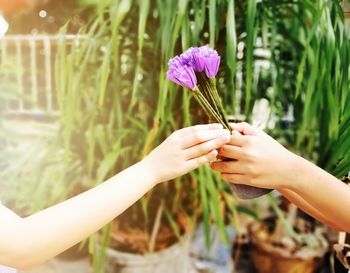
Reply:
x=287 y=243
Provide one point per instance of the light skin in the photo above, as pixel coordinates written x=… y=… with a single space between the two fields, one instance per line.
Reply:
x=26 y=242
x=259 y=160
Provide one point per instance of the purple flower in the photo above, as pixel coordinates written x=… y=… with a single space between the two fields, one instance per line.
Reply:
x=200 y=61
x=207 y=59
x=195 y=59
x=181 y=73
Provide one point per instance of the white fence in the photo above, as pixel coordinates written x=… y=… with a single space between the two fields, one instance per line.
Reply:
x=27 y=72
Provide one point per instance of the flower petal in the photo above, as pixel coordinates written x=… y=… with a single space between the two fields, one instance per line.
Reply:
x=212 y=66
x=182 y=75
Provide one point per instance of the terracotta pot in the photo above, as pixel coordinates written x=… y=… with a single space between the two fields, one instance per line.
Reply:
x=267 y=262
x=269 y=258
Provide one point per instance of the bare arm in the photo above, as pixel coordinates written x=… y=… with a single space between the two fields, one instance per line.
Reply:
x=25 y=242
x=307 y=208
x=32 y=240
x=323 y=191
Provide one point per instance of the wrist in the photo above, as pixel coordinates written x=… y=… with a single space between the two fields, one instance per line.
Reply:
x=296 y=170
x=148 y=172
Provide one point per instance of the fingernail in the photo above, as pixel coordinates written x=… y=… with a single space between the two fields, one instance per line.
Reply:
x=212 y=156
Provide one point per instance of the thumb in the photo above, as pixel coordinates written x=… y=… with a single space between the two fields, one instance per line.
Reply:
x=245 y=128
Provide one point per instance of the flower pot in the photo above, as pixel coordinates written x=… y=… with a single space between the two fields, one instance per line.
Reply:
x=270 y=257
x=269 y=262
x=174 y=259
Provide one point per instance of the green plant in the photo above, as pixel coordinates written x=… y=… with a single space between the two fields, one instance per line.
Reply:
x=116 y=104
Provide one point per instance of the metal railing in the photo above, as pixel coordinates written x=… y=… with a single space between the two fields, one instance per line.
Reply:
x=27 y=65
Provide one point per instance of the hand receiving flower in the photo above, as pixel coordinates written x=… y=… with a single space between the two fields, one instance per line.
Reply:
x=185 y=150
x=257 y=159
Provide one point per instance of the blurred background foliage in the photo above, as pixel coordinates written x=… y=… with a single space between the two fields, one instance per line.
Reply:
x=116 y=104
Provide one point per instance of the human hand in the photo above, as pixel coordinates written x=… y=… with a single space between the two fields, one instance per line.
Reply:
x=185 y=150
x=257 y=159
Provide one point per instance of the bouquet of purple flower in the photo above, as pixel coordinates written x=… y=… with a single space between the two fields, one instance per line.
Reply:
x=196 y=69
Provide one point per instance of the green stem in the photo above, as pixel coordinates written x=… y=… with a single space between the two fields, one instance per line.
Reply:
x=208 y=89
x=204 y=83
x=217 y=99
x=207 y=107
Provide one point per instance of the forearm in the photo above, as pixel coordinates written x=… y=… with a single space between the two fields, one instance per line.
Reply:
x=55 y=229
x=320 y=190
x=307 y=208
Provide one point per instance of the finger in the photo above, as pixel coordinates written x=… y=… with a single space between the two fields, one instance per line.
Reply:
x=199 y=137
x=244 y=128
x=231 y=152
x=206 y=147
x=197 y=128
x=237 y=139
x=199 y=161
x=232 y=166
x=234 y=178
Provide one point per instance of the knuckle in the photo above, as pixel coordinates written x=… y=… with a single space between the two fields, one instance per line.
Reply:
x=250 y=155
x=250 y=169
x=253 y=173
x=248 y=141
